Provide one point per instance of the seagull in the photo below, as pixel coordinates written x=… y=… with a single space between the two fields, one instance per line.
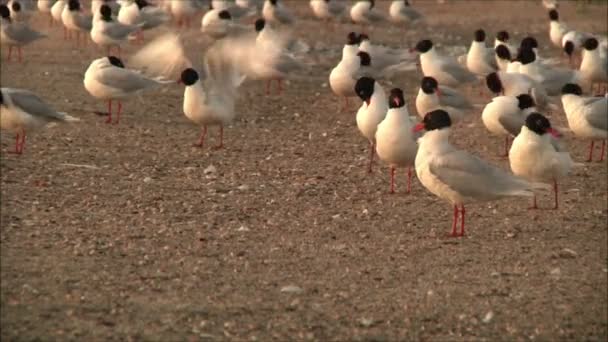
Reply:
x=587 y=116
x=572 y=43
x=18 y=11
x=552 y=79
x=44 y=6
x=184 y=10
x=108 y=33
x=275 y=12
x=140 y=12
x=505 y=116
x=387 y=62
x=236 y=11
x=533 y=156
x=445 y=70
x=74 y=20
x=96 y=5
x=395 y=140
x=457 y=176
x=15 y=34
x=401 y=12
x=56 y=11
x=343 y=77
x=480 y=59
x=432 y=96
x=218 y=24
x=327 y=9
x=364 y=13
x=372 y=111
x=502 y=38
x=557 y=29
x=22 y=111
x=108 y=79
x=503 y=58
x=513 y=84
x=594 y=66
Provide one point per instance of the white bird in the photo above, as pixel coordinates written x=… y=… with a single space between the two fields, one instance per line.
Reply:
x=44 y=6
x=502 y=38
x=107 y=79
x=236 y=11
x=19 y=12
x=15 y=34
x=432 y=96
x=344 y=76
x=108 y=33
x=505 y=116
x=594 y=66
x=513 y=84
x=572 y=43
x=504 y=59
x=534 y=157
x=480 y=58
x=74 y=20
x=457 y=176
x=445 y=70
x=395 y=139
x=557 y=29
x=587 y=116
x=372 y=111
x=363 y=12
x=275 y=12
x=184 y=10
x=387 y=62
x=56 y=11
x=327 y=9
x=401 y=12
x=140 y=12
x=552 y=79
x=23 y=112
x=96 y=5
x=218 y=24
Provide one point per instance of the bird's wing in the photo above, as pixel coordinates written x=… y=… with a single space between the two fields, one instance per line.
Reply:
x=410 y=13
x=125 y=80
x=32 y=104
x=120 y=31
x=511 y=122
x=374 y=16
x=22 y=33
x=457 y=71
x=84 y=22
x=283 y=15
x=452 y=98
x=598 y=113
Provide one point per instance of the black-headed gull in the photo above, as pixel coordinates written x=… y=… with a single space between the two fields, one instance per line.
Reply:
x=503 y=58
x=502 y=38
x=550 y=4
x=23 y=112
x=15 y=34
x=327 y=9
x=401 y=12
x=458 y=176
x=572 y=43
x=395 y=139
x=56 y=11
x=372 y=111
x=480 y=58
x=557 y=29
x=363 y=12
x=505 y=115
x=44 y=6
x=433 y=96
x=513 y=84
x=551 y=78
x=140 y=12
x=594 y=66
x=108 y=33
x=386 y=61
x=217 y=23
x=75 y=21
x=445 y=70
x=534 y=157
x=108 y=79
x=236 y=10
x=183 y=11
x=275 y=12
x=96 y=5
x=343 y=77
x=19 y=12
x=587 y=116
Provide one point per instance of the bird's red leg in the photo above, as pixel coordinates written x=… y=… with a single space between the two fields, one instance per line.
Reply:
x=280 y=81
x=603 y=150
x=409 y=179
x=555 y=192
x=591 y=151
x=221 y=144
x=17 y=143
x=118 y=112
x=392 y=180
x=534 y=206
x=462 y=214
x=201 y=138
x=109 y=119
x=454 y=220
x=119 y=51
x=371 y=156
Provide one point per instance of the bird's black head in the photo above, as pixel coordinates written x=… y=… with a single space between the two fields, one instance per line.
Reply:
x=503 y=52
x=372 y=3
x=526 y=56
x=436 y=119
x=141 y=3
x=538 y=123
x=115 y=61
x=274 y=2
x=189 y=77
x=74 y=5
x=524 y=101
x=553 y=15
x=424 y=45
x=16 y=6
x=406 y=3
x=428 y=85
x=1 y=98
x=503 y=36
x=529 y=43
x=352 y=39
x=5 y=13
x=363 y=36
x=493 y=82
x=572 y=88
x=590 y=44
x=395 y=99
x=480 y=35
x=364 y=88
x=106 y=12
x=224 y=15
x=365 y=58
x=569 y=48
x=259 y=24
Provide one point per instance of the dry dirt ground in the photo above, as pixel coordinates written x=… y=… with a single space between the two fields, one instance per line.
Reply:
x=290 y=238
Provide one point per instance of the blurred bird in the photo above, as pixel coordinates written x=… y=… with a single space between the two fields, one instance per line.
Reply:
x=74 y=20
x=276 y=13
x=502 y=38
x=327 y=10
x=363 y=12
x=557 y=29
x=401 y=12
x=15 y=34
x=140 y=12
x=372 y=111
x=108 y=33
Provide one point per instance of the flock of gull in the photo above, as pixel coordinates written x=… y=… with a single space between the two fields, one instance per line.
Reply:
x=252 y=40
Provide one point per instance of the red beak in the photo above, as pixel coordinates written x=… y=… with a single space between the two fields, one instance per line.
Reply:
x=554 y=133
x=419 y=127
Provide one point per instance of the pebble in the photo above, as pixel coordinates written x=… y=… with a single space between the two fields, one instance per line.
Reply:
x=291 y=289
x=366 y=322
x=210 y=170
x=488 y=317
x=568 y=253
x=147 y=180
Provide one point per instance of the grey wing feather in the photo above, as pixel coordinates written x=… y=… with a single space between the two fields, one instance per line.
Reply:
x=335 y=8
x=374 y=16
x=283 y=16
x=410 y=13
x=598 y=116
x=471 y=177
x=452 y=98
x=490 y=59
x=120 y=31
x=511 y=123
x=84 y=22
x=125 y=80
x=32 y=104
x=458 y=72
x=23 y=33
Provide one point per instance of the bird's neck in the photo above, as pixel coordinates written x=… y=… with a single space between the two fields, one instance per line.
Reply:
x=436 y=140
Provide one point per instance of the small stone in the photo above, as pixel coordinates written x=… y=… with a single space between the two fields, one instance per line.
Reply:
x=488 y=317
x=494 y=274
x=291 y=289
x=210 y=170
x=366 y=322
x=147 y=180
x=243 y=187
x=243 y=229
x=567 y=253
x=556 y=271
